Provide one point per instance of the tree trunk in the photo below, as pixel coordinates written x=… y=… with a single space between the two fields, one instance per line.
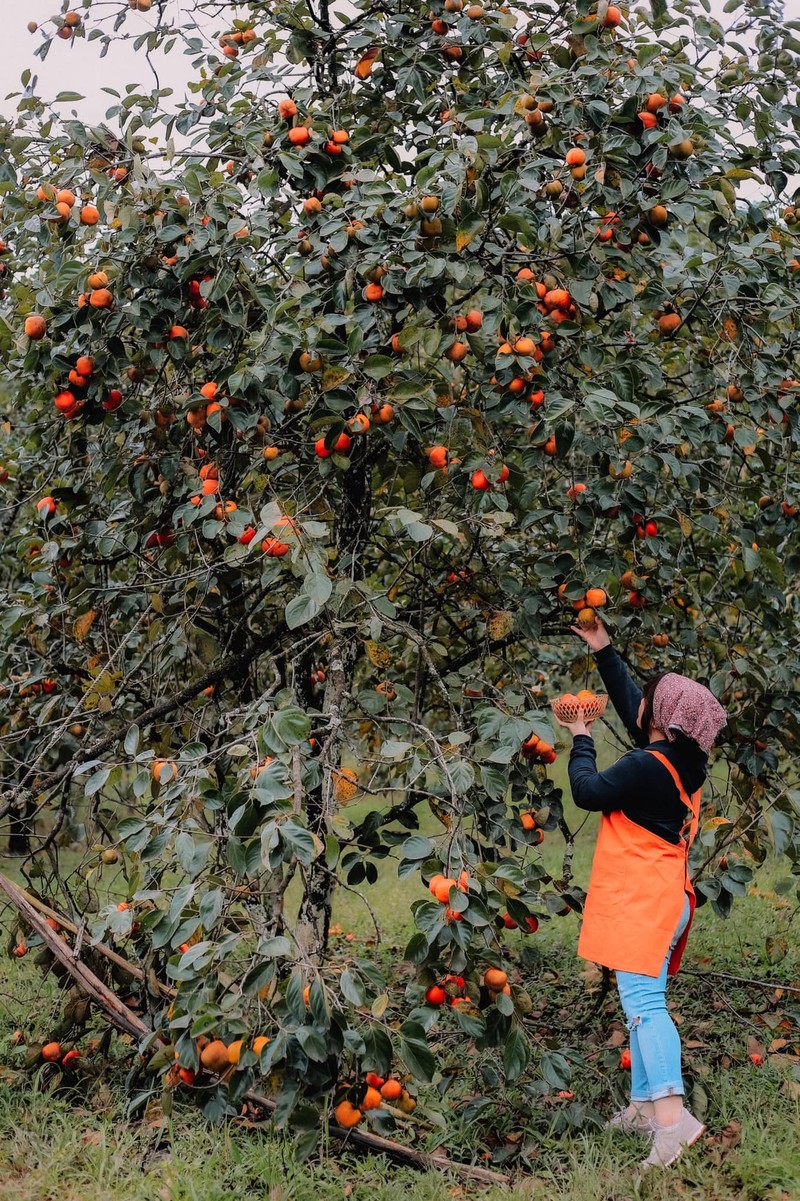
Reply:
x=19 y=830
x=351 y=531
x=20 y=823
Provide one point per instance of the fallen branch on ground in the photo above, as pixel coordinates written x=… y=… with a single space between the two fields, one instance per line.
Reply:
x=130 y=1023
x=100 y=947
x=87 y=982
x=741 y=979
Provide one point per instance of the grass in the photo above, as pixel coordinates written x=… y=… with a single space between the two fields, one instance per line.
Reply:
x=62 y=1150
x=82 y=1146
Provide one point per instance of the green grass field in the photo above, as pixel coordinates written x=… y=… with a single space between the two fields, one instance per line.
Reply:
x=81 y=1146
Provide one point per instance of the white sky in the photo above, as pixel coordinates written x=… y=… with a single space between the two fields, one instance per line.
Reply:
x=76 y=65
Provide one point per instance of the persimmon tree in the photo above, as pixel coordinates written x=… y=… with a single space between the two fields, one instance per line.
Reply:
x=331 y=388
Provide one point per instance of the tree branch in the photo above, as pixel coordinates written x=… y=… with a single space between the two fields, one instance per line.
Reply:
x=229 y=667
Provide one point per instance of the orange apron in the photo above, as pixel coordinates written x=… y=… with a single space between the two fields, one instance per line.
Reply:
x=636 y=892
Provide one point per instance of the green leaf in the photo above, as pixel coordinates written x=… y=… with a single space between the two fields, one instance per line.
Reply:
x=752 y=559
x=462 y=775
x=313 y=1042
x=291 y=725
x=416 y=847
x=415 y=1052
x=352 y=988
x=493 y=782
x=300 y=841
x=210 y=908
x=473 y=1024
x=555 y=1070
x=310 y=602
x=417 y=949
x=96 y=781
x=278 y=947
x=515 y=1053
x=781 y=829
x=378 y=366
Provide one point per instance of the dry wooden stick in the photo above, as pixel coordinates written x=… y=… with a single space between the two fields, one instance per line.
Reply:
x=706 y=975
x=130 y=1023
x=107 y=952
x=91 y=985
x=386 y=1146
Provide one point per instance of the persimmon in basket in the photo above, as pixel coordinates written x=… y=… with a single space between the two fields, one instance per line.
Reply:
x=568 y=706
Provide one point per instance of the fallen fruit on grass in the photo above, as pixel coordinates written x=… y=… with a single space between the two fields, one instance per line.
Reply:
x=392 y=1090
x=625 y=1061
x=51 y=1052
x=372 y=1099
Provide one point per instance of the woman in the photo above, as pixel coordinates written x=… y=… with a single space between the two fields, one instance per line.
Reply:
x=640 y=900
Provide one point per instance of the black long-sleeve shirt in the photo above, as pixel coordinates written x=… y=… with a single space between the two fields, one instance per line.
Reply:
x=637 y=784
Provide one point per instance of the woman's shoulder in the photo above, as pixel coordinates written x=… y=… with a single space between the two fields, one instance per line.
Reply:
x=688 y=759
x=645 y=759
x=643 y=764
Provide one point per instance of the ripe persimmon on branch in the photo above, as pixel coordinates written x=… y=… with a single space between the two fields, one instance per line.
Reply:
x=400 y=343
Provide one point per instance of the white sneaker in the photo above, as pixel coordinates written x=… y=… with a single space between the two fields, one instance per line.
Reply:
x=669 y=1141
x=622 y=1121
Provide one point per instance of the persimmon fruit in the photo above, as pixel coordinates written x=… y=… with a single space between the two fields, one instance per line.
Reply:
x=347 y=1114
x=35 y=327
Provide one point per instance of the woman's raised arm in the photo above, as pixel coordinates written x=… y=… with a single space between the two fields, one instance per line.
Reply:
x=624 y=694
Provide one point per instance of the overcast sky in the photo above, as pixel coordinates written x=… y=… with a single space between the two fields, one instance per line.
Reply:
x=76 y=66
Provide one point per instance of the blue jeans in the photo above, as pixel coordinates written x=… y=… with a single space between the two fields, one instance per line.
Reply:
x=655 y=1044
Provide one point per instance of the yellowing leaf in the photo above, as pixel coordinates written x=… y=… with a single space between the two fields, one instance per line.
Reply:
x=714 y=823
x=364 y=66
x=84 y=623
x=379 y=655
x=98 y=690
x=684 y=523
x=332 y=377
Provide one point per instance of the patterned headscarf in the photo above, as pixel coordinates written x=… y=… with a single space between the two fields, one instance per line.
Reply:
x=683 y=705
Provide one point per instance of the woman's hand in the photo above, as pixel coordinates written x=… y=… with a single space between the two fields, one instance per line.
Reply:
x=579 y=725
x=596 y=636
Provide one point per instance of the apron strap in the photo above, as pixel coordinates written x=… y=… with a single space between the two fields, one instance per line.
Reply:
x=692 y=803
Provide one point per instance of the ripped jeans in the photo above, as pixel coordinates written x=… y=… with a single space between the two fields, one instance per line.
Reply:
x=655 y=1044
